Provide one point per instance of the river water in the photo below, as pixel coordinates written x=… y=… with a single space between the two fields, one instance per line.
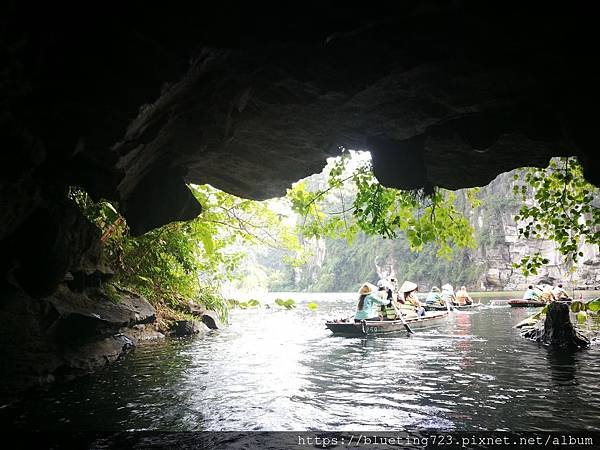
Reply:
x=274 y=369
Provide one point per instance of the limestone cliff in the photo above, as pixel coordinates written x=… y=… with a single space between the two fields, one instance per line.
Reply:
x=501 y=246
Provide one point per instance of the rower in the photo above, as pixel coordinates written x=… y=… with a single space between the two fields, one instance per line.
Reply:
x=409 y=294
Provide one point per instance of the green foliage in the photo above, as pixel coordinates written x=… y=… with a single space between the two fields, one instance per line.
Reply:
x=312 y=306
x=563 y=210
x=373 y=209
x=249 y=304
x=287 y=304
x=185 y=261
x=592 y=306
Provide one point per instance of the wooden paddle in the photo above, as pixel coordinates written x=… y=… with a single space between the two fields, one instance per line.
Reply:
x=399 y=314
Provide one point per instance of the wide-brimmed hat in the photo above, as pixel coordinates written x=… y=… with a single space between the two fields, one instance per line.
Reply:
x=367 y=288
x=447 y=287
x=408 y=286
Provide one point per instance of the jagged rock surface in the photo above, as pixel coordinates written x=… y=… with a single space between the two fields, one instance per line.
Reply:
x=64 y=335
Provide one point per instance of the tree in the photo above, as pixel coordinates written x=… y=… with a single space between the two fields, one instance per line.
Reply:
x=564 y=209
x=184 y=261
x=376 y=210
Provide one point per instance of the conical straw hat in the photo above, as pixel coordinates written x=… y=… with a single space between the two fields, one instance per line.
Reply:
x=408 y=286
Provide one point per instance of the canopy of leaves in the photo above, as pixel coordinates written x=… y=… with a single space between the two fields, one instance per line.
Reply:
x=564 y=210
x=376 y=210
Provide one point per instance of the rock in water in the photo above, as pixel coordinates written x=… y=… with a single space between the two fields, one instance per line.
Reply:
x=557 y=330
x=211 y=320
x=188 y=327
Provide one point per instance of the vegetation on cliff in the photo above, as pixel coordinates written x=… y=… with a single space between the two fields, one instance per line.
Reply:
x=188 y=261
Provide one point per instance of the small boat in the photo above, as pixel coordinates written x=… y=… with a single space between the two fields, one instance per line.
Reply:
x=377 y=327
x=520 y=303
x=457 y=307
x=467 y=307
x=515 y=302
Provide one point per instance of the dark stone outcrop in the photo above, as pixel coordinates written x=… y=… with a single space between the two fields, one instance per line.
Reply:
x=187 y=327
x=556 y=330
x=64 y=335
x=208 y=317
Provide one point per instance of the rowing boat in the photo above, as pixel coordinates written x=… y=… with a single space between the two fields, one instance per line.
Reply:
x=457 y=307
x=515 y=302
x=377 y=327
x=520 y=303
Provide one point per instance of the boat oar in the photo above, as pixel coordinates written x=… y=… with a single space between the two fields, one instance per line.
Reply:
x=399 y=314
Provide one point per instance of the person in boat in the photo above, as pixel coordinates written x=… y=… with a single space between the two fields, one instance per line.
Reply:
x=531 y=294
x=434 y=297
x=560 y=293
x=385 y=290
x=368 y=301
x=409 y=293
x=547 y=295
x=462 y=297
x=448 y=294
x=384 y=285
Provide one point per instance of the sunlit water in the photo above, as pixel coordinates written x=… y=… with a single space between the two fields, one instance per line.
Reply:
x=273 y=369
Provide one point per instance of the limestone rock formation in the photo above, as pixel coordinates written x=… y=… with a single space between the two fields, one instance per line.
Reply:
x=130 y=106
x=501 y=246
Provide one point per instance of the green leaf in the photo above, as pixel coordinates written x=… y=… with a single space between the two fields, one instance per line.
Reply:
x=594 y=305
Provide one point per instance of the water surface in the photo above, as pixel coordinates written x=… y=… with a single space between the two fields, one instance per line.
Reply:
x=274 y=369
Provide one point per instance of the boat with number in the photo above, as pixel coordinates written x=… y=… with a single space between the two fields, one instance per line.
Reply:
x=377 y=327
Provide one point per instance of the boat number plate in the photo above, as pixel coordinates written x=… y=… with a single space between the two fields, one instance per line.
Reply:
x=371 y=329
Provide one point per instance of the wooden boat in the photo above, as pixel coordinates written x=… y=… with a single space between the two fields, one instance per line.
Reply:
x=520 y=303
x=457 y=307
x=467 y=307
x=515 y=302
x=372 y=328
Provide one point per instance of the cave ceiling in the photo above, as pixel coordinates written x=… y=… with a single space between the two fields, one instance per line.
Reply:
x=133 y=101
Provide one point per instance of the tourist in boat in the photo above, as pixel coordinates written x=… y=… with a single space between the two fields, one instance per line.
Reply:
x=560 y=293
x=531 y=294
x=385 y=291
x=547 y=295
x=368 y=301
x=409 y=294
x=448 y=294
x=386 y=286
x=434 y=296
x=462 y=297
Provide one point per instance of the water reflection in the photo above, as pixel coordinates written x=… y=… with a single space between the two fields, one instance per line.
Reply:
x=563 y=366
